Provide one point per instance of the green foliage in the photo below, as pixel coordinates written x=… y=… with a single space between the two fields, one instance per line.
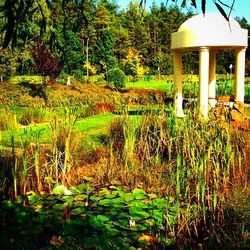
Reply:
x=26 y=79
x=103 y=50
x=117 y=77
x=8 y=63
x=72 y=58
x=147 y=78
x=74 y=29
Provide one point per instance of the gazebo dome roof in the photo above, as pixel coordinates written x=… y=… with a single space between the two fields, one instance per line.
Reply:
x=210 y=22
x=209 y=30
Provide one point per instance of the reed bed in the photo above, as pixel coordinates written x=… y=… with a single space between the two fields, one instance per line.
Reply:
x=201 y=163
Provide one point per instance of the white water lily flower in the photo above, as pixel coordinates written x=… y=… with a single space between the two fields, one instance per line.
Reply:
x=131 y=223
x=60 y=189
x=67 y=192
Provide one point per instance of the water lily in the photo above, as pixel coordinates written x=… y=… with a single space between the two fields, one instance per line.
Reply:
x=61 y=189
x=131 y=223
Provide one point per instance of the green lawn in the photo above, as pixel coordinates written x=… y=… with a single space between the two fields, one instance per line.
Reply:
x=162 y=85
x=88 y=127
x=190 y=89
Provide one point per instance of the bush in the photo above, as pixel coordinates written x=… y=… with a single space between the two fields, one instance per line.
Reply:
x=147 y=78
x=117 y=77
x=27 y=79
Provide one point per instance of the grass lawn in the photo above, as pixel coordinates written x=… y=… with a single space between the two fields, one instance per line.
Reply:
x=162 y=85
x=90 y=127
x=189 y=89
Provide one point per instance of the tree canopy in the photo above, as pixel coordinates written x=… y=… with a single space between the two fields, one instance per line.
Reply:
x=89 y=36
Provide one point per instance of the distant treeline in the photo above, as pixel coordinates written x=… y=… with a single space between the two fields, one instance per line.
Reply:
x=90 y=37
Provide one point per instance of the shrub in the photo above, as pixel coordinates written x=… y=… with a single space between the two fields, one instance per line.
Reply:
x=147 y=78
x=117 y=77
x=26 y=79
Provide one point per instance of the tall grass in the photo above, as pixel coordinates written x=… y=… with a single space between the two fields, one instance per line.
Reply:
x=32 y=163
x=8 y=119
x=199 y=163
x=63 y=141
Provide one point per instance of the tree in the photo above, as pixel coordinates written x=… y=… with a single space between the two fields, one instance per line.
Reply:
x=220 y=6
x=88 y=35
x=18 y=12
x=122 y=43
x=45 y=64
x=162 y=21
x=133 y=65
x=138 y=29
x=104 y=50
x=8 y=63
x=72 y=54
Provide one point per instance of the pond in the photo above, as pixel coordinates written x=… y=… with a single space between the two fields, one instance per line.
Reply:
x=108 y=218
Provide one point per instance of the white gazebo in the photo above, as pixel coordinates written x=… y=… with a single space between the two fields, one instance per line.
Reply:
x=207 y=34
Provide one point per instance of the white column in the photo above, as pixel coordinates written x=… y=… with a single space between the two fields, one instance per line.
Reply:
x=178 y=102
x=240 y=56
x=204 y=75
x=212 y=79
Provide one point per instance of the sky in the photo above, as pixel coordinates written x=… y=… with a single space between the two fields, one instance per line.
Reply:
x=241 y=7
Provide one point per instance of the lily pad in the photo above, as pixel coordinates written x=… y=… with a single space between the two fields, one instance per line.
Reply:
x=81 y=197
x=77 y=211
x=34 y=198
x=128 y=197
x=78 y=204
x=139 y=227
x=139 y=194
x=8 y=204
x=104 y=191
x=122 y=223
x=19 y=199
x=97 y=222
x=68 y=199
x=112 y=195
x=138 y=212
x=106 y=202
x=139 y=203
x=44 y=211
x=110 y=230
x=59 y=207
x=78 y=189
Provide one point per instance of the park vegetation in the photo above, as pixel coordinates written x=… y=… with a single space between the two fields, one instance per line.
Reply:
x=92 y=155
x=89 y=38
